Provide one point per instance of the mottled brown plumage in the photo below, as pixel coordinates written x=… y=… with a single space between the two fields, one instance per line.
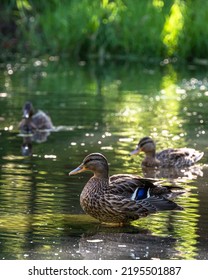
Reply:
x=120 y=198
x=181 y=157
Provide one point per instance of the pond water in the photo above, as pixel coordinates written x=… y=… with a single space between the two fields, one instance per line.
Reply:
x=98 y=109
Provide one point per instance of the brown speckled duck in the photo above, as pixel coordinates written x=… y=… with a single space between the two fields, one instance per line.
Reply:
x=120 y=198
x=32 y=121
x=177 y=158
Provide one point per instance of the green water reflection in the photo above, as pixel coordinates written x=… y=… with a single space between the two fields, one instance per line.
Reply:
x=98 y=110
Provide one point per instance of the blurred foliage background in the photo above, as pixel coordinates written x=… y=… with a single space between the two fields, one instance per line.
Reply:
x=105 y=29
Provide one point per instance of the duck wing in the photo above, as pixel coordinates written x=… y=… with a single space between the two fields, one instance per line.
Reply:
x=132 y=209
x=137 y=188
x=42 y=120
x=126 y=184
x=179 y=157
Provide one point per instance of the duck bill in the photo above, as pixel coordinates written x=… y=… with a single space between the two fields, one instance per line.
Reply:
x=79 y=169
x=136 y=151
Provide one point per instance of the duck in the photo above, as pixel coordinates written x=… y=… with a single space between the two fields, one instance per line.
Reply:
x=121 y=198
x=168 y=158
x=32 y=121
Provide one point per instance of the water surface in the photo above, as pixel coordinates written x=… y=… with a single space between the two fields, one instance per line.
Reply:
x=98 y=109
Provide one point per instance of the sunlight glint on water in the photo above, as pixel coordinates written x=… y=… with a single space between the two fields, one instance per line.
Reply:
x=40 y=214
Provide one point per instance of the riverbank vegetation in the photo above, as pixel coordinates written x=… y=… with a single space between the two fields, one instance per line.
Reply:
x=121 y=29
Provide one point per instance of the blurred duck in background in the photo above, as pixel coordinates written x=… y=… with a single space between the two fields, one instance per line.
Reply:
x=32 y=121
x=34 y=127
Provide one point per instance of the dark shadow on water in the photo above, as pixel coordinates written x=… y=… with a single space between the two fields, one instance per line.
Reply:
x=128 y=244
x=106 y=243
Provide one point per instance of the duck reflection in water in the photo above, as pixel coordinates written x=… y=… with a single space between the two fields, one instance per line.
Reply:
x=26 y=148
x=173 y=174
x=37 y=136
x=34 y=127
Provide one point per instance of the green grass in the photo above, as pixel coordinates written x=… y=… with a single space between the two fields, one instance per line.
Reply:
x=107 y=29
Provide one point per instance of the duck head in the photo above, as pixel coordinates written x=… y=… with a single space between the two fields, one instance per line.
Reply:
x=28 y=110
x=146 y=145
x=96 y=163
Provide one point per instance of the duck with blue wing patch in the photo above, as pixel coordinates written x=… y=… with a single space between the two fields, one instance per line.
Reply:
x=120 y=198
x=140 y=193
